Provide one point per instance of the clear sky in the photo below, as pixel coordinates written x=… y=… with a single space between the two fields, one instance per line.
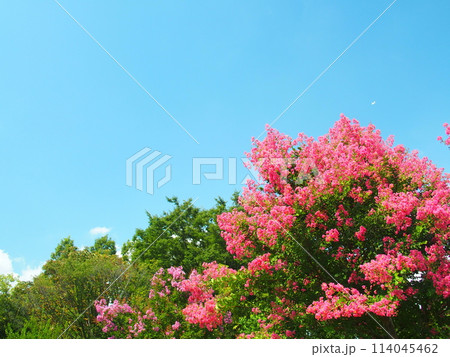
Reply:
x=70 y=116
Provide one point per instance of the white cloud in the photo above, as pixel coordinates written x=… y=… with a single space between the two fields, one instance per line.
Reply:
x=99 y=231
x=5 y=263
x=6 y=267
x=29 y=273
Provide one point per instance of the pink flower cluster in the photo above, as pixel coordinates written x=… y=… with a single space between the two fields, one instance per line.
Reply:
x=339 y=302
x=201 y=309
x=400 y=206
x=447 y=132
x=262 y=264
x=345 y=302
x=135 y=322
x=264 y=224
x=178 y=275
x=379 y=270
x=204 y=314
x=436 y=263
x=361 y=234
x=332 y=235
x=157 y=283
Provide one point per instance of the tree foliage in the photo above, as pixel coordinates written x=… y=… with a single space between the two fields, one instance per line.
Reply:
x=68 y=287
x=63 y=249
x=186 y=236
x=34 y=329
x=62 y=296
x=104 y=245
x=7 y=307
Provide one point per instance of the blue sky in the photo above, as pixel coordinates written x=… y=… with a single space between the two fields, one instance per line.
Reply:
x=70 y=116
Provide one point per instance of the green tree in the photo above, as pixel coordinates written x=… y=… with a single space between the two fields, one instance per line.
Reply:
x=62 y=296
x=20 y=305
x=64 y=293
x=186 y=236
x=104 y=245
x=7 y=308
x=64 y=248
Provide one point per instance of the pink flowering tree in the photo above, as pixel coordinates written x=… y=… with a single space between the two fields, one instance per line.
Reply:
x=344 y=236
